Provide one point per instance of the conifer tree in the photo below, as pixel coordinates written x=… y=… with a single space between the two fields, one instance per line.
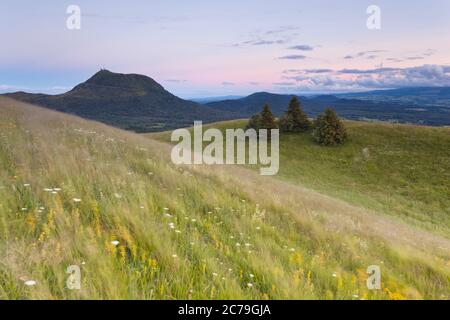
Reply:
x=267 y=120
x=329 y=129
x=254 y=122
x=263 y=120
x=295 y=119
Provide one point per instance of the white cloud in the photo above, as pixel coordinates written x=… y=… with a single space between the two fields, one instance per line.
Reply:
x=379 y=78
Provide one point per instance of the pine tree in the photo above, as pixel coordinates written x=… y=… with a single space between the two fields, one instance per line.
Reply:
x=295 y=119
x=254 y=122
x=267 y=120
x=329 y=130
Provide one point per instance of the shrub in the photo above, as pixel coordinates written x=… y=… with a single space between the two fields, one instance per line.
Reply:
x=328 y=129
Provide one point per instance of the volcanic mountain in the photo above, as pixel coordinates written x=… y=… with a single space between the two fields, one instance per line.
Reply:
x=128 y=101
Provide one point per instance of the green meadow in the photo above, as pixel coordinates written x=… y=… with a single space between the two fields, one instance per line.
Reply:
x=399 y=170
x=76 y=192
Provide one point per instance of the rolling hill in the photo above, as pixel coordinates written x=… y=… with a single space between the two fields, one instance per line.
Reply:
x=399 y=170
x=128 y=101
x=77 y=192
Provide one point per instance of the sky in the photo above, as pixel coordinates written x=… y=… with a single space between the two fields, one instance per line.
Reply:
x=199 y=48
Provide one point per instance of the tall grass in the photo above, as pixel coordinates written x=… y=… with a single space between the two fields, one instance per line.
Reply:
x=70 y=188
x=399 y=170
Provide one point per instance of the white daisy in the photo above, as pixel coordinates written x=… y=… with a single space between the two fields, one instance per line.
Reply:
x=30 y=283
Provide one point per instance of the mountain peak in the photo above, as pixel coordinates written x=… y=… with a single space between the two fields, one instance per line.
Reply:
x=132 y=82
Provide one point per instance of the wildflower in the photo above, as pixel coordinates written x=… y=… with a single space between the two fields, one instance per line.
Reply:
x=83 y=263
x=174 y=256
x=230 y=269
x=247 y=244
x=76 y=200
x=142 y=207
x=30 y=283
x=194 y=220
x=48 y=189
x=250 y=285
x=251 y=275
x=215 y=274
x=171 y=225
x=167 y=209
x=117 y=195
x=334 y=274
x=26 y=185
x=57 y=189
x=355 y=296
x=238 y=244
x=177 y=231
x=168 y=215
x=115 y=242
x=292 y=249
x=192 y=243
x=258 y=228
x=24 y=209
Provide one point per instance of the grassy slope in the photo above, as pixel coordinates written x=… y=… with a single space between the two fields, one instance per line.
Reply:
x=406 y=175
x=292 y=241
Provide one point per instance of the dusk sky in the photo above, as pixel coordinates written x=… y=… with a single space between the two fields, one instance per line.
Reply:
x=210 y=48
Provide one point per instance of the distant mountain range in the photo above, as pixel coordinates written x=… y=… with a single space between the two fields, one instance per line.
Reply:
x=419 y=96
x=370 y=105
x=138 y=103
x=214 y=99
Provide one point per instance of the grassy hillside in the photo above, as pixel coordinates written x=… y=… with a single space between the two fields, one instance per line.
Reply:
x=404 y=172
x=69 y=187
